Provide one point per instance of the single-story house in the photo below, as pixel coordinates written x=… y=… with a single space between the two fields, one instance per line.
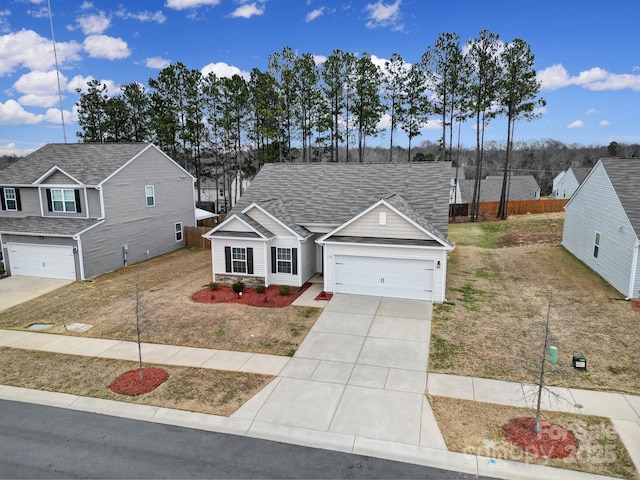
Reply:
x=567 y=182
x=372 y=229
x=76 y=211
x=521 y=187
x=602 y=223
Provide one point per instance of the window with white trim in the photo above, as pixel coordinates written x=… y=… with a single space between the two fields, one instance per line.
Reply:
x=63 y=200
x=178 y=231
x=239 y=260
x=284 y=260
x=151 y=196
x=596 y=245
x=11 y=199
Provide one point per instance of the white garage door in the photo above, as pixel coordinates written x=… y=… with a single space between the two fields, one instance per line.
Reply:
x=386 y=277
x=49 y=261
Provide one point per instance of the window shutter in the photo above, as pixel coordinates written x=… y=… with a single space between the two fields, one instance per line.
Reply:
x=250 y=261
x=4 y=207
x=227 y=259
x=294 y=261
x=49 y=202
x=78 y=208
x=274 y=260
x=18 y=202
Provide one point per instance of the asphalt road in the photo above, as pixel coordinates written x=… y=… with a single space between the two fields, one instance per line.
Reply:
x=47 y=442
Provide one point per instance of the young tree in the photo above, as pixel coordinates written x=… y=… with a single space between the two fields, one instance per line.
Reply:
x=518 y=91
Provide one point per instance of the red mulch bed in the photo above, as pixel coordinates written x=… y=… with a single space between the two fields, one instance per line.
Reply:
x=270 y=298
x=130 y=384
x=324 y=296
x=635 y=305
x=553 y=442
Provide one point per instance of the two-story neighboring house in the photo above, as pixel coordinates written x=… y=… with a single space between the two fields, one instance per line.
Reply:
x=76 y=211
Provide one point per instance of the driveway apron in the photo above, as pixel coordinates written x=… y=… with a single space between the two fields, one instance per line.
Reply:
x=360 y=372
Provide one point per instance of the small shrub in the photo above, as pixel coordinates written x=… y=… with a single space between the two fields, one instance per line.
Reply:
x=260 y=288
x=237 y=287
x=285 y=289
x=213 y=286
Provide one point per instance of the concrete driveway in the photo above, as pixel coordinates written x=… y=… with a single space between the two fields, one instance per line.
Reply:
x=361 y=371
x=16 y=290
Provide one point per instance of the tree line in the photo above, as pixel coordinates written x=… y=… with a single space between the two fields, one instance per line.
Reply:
x=298 y=110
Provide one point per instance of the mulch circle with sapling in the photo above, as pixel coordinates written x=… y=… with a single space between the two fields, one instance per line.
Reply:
x=271 y=297
x=552 y=442
x=129 y=383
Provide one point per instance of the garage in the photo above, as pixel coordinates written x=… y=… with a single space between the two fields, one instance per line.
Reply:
x=48 y=261
x=387 y=277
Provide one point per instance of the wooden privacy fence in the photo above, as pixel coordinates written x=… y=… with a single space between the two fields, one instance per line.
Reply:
x=193 y=237
x=516 y=207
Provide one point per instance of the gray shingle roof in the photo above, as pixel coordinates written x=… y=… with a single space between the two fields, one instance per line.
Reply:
x=334 y=193
x=580 y=173
x=90 y=163
x=523 y=187
x=58 y=226
x=624 y=174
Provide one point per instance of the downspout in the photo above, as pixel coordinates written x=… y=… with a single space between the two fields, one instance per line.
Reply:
x=634 y=269
x=80 y=259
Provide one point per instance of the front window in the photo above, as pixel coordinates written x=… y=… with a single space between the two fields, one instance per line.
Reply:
x=596 y=245
x=150 y=194
x=63 y=200
x=178 y=231
x=239 y=260
x=284 y=260
x=10 y=199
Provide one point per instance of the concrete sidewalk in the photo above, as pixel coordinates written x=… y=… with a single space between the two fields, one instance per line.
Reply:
x=356 y=385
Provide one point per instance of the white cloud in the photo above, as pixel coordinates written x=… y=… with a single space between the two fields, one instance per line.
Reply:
x=384 y=15
x=591 y=111
x=223 y=70
x=4 y=24
x=29 y=50
x=42 y=12
x=94 y=24
x=53 y=116
x=319 y=59
x=576 y=124
x=144 y=16
x=157 y=62
x=604 y=123
x=103 y=46
x=184 y=4
x=312 y=15
x=12 y=113
x=39 y=83
x=11 y=150
x=247 y=10
x=33 y=100
x=86 y=5
x=81 y=82
x=595 y=79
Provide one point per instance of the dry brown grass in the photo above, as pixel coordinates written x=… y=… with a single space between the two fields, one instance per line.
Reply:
x=476 y=428
x=501 y=297
x=198 y=390
x=169 y=315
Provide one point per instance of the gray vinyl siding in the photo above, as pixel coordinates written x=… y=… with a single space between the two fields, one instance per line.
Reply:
x=30 y=205
x=36 y=240
x=59 y=178
x=128 y=221
x=93 y=200
x=595 y=208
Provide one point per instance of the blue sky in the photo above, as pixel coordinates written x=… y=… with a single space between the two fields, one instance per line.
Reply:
x=587 y=53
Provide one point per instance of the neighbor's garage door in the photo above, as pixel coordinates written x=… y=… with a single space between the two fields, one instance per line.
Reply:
x=49 y=261
x=386 y=277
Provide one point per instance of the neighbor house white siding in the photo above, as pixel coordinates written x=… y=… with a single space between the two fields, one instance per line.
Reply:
x=419 y=253
x=394 y=226
x=595 y=208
